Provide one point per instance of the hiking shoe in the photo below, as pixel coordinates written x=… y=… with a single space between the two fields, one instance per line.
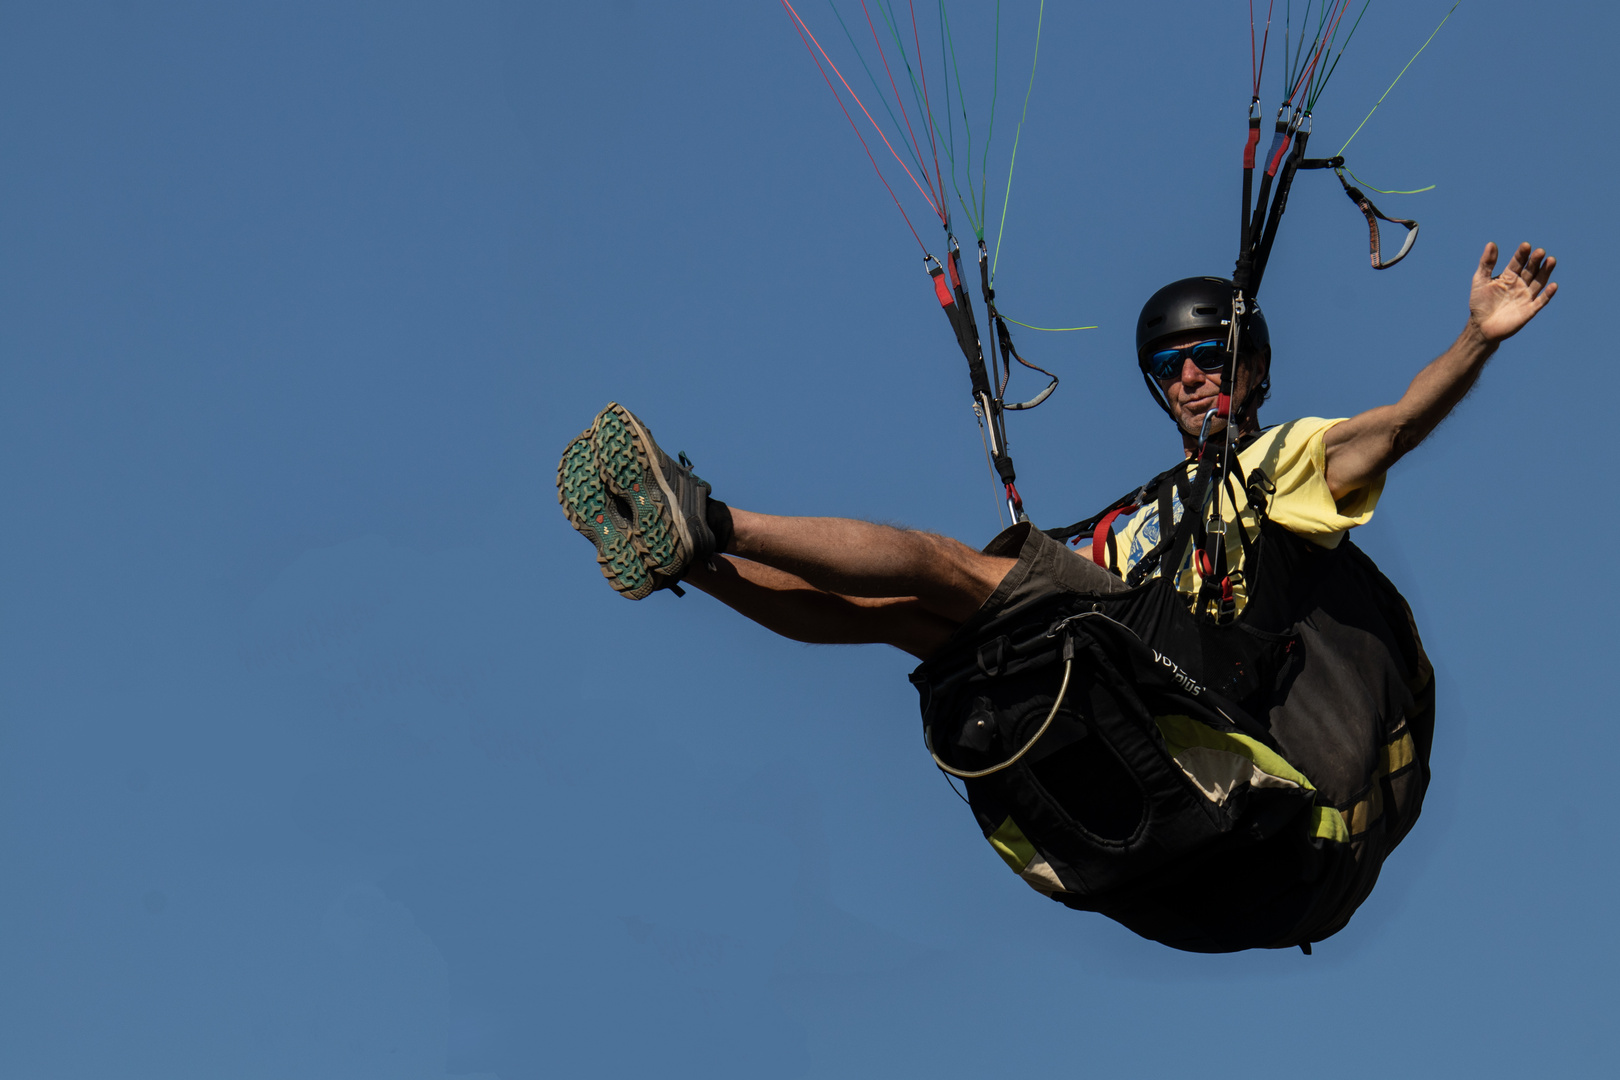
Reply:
x=603 y=519
x=667 y=499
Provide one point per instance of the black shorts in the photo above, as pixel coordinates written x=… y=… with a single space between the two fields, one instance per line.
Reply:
x=1045 y=567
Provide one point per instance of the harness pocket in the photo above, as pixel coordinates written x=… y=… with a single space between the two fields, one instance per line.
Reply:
x=1095 y=766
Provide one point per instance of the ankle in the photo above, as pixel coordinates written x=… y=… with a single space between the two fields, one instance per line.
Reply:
x=718 y=517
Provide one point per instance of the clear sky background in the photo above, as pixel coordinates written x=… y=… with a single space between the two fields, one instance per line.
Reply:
x=326 y=752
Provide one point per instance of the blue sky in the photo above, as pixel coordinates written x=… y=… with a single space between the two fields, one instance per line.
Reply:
x=324 y=750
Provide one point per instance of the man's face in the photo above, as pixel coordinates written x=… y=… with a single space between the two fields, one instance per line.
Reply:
x=1193 y=392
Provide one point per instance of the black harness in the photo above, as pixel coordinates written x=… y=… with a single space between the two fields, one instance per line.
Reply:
x=1107 y=818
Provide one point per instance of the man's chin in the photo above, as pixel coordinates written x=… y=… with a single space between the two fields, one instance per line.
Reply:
x=1193 y=426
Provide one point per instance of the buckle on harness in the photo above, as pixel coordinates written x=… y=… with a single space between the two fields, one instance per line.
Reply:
x=992 y=656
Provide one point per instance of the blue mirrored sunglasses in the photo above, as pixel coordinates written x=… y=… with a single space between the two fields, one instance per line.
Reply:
x=1207 y=355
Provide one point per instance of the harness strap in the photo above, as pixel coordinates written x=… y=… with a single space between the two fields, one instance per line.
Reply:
x=1243 y=534
x=1167 y=535
x=1171 y=533
x=1251 y=239
x=953 y=258
x=993 y=403
x=953 y=300
x=1083 y=528
x=1215 y=584
x=1106 y=528
x=1175 y=537
x=953 y=313
x=1248 y=169
x=1285 y=183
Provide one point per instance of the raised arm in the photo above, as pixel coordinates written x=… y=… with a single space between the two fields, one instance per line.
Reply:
x=1364 y=447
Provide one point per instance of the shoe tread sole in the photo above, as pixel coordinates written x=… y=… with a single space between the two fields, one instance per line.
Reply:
x=584 y=499
x=626 y=452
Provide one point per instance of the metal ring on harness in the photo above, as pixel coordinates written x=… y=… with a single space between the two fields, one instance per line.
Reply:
x=1063 y=690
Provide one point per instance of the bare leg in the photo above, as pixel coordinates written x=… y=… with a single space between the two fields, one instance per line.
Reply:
x=790 y=606
x=859 y=559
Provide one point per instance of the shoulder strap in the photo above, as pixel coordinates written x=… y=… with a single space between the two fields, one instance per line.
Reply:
x=1170 y=530
x=1082 y=529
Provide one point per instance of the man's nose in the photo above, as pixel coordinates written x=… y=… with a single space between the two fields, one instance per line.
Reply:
x=1191 y=374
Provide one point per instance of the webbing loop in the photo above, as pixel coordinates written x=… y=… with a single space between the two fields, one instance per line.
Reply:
x=1374 y=216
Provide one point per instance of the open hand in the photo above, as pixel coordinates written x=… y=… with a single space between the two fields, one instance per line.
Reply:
x=1500 y=306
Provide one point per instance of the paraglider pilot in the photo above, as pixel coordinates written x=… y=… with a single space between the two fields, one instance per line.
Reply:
x=1217 y=755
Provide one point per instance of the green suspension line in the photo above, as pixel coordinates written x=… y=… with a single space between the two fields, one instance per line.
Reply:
x=1002 y=228
x=995 y=93
x=1385 y=94
x=883 y=97
x=970 y=206
x=1320 y=82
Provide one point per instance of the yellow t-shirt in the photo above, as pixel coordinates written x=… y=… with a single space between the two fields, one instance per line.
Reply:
x=1293 y=458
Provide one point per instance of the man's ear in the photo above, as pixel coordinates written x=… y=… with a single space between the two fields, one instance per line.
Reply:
x=1260 y=362
x=1259 y=382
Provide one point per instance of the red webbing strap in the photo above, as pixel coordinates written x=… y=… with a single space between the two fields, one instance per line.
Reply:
x=1206 y=574
x=1103 y=531
x=1254 y=141
x=1279 y=148
x=1016 y=500
x=953 y=259
x=942 y=291
x=966 y=337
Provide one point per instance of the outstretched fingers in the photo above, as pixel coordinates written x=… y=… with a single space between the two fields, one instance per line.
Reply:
x=1501 y=305
x=1530 y=268
x=1542 y=290
x=1516 y=265
x=1543 y=272
x=1531 y=265
x=1534 y=275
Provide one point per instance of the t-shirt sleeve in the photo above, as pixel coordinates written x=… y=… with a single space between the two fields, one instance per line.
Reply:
x=1294 y=457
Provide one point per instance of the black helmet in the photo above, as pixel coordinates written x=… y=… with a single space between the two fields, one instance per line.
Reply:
x=1198 y=303
x=1195 y=303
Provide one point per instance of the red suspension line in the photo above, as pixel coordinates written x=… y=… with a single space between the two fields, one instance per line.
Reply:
x=939 y=194
x=804 y=32
x=928 y=107
x=1257 y=65
x=807 y=38
x=1321 y=44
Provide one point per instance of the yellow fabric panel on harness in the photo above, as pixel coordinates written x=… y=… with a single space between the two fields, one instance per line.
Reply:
x=1398 y=755
x=1361 y=815
x=1017 y=852
x=1183 y=734
x=1217 y=762
x=1011 y=844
